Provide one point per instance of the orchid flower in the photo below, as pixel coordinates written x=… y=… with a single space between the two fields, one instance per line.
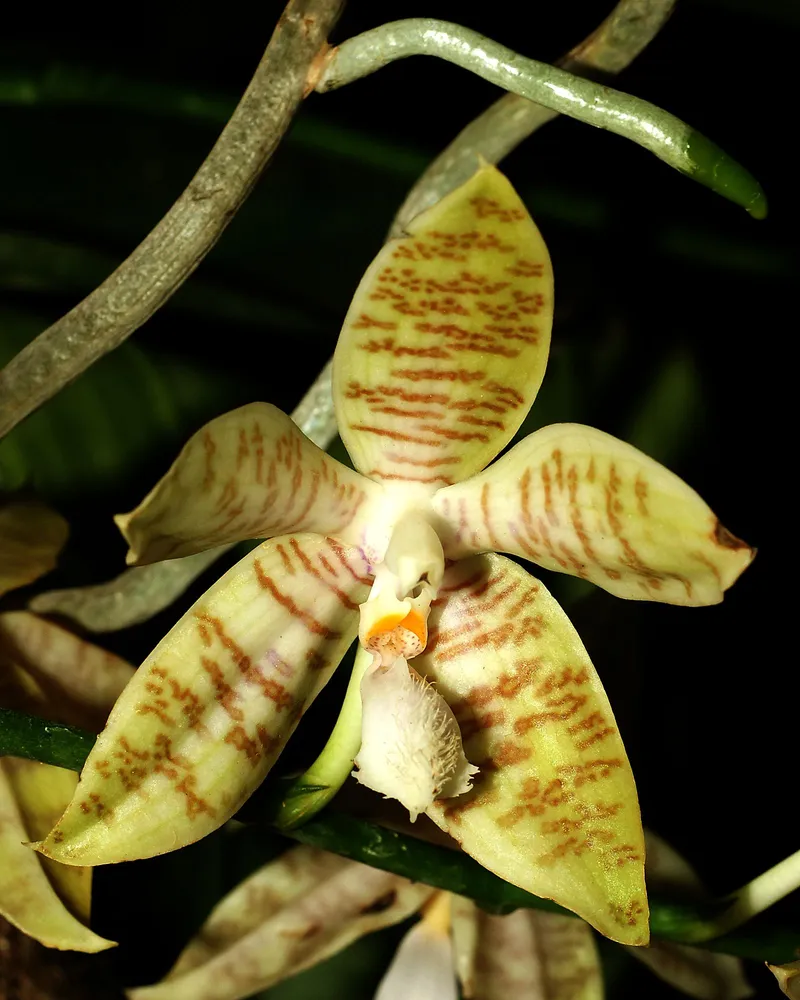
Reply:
x=45 y=671
x=441 y=355
x=308 y=904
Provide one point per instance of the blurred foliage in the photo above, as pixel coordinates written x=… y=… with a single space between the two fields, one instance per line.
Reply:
x=672 y=313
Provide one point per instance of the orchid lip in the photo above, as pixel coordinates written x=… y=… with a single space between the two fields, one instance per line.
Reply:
x=394 y=617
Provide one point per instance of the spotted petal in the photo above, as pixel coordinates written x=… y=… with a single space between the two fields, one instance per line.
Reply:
x=554 y=807
x=210 y=709
x=27 y=897
x=445 y=344
x=288 y=916
x=248 y=474
x=525 y=955
x=574 y=499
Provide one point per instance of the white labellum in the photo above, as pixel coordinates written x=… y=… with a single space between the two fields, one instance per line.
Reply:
x=410 y=741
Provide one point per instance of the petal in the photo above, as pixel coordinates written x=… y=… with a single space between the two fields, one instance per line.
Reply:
x=410 y=742
x=250 y=473
x=574 y=499
x=130 y=598
x=210 y=709
x=669 y=872
x=422 y=968
x=42 y=792
x=788 y=977
x=286 y=917
x=69 y=679
x=31 y=536
x=694 y=972
x=445 y=344
x=534 y=956
x=27 y=898
x=554 y=808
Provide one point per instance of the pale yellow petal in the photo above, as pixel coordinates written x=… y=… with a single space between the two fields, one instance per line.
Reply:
x=31 y=536
x=422 y=967
x=250 y=473
x=210 y=709
x=27 y=898
x=268 y=928
x=445 y=344
x=788 y=977
x=42 y=793
x=255 y=900
x=530 y=955
x=70 y=680
x=554 y=807
x=704 y=975
x=465 y=931
x=574 y=499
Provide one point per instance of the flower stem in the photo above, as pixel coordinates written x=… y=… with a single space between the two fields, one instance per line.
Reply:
x=669 y=138
x=331 y=768
x=169 y=254
x=753 y=898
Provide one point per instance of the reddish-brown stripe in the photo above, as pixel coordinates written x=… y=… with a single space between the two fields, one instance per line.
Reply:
x=396 y=435
x=427 y=463
x=310 y=568
x=289 y=604
x=438 y=375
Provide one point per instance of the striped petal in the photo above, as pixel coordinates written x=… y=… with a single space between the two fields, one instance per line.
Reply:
x=28 y=899
x=554 y=807
x=248 y=474
x=525 y=955
x=289 y=915
x=31 y=536
x=574 y=499
x=62 y=676
x=445 y=344
x=210 y=709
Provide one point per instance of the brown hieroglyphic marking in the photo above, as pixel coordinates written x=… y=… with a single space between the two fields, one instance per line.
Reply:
x=178 y=707
x=438 y=296
x=95 y=805
x=268 y=485
x=556 y=524
x=630 y=915
x=289 y=604
x=502 y=740
x=323 y=577
x=388 y=476
x=250 y=672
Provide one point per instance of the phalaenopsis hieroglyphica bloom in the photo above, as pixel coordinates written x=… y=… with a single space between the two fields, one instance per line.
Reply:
x=441 y=355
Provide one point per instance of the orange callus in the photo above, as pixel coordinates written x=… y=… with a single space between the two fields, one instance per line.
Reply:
x=413 y=622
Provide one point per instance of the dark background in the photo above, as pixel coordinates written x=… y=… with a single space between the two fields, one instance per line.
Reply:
x=674 y=323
